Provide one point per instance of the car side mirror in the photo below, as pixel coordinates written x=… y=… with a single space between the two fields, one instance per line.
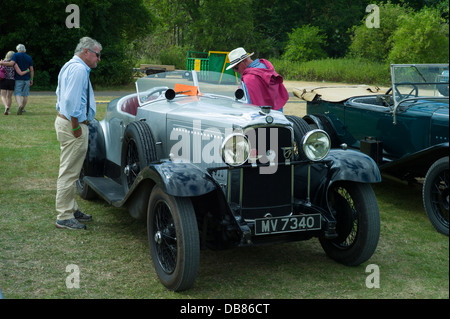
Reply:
x=239 y=94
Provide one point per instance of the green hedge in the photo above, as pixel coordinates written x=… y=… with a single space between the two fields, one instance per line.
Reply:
x=346 y=70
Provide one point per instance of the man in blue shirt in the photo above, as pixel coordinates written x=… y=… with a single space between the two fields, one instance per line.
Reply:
x=76 y=107
x=23 y=82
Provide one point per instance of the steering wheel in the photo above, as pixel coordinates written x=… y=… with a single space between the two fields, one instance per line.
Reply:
x=388 y=103
x=401 y=96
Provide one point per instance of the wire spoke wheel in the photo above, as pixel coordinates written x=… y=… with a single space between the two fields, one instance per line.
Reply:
x=347 y=215
x=355 y=208
x=132 y=167
x=165 y=237
x=174 y=239
x=435 y=195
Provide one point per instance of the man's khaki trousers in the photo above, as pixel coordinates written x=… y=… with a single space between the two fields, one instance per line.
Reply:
x=73 y=152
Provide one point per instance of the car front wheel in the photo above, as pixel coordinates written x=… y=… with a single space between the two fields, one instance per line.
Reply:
x=174 y=239
x=355 y=208
x=436 y=196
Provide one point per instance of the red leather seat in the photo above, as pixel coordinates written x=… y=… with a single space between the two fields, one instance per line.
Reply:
x=131 y=105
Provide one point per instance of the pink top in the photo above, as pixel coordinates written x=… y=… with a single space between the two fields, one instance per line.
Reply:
x=265 y=86
x=9 y=72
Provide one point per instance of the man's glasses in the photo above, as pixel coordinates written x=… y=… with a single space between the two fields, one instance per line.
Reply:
x=96 y=53
x=236 y=67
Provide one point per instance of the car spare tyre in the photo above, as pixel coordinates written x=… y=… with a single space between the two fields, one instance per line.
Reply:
x=138 y=150
x=300 y=129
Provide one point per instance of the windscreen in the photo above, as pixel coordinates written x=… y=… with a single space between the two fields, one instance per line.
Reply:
x=419 y=81
x=154 y=86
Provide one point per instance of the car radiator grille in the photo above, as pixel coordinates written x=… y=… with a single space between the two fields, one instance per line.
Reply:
x=262 y=189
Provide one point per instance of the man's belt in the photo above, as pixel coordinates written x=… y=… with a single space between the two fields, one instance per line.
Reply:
x=63 y=117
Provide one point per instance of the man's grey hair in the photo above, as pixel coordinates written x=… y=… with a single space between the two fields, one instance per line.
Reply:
x=87 y=43
x=21 y=48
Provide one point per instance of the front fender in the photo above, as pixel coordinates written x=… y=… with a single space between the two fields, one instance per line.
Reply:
x=94 y=162
x=339 y=165
x=352 y=166
x=180 y=179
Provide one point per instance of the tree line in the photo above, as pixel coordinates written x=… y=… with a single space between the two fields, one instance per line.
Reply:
x=41 y=26
x=161 y=30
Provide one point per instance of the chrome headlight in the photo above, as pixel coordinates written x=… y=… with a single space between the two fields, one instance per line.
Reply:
x=316 y=144
x=235 y=149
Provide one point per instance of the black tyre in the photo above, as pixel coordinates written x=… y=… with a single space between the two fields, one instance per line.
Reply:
x=83 y=189
x=435 y=195
x=300 y=129
x=174 y=239
x=138 y=150
x=357 y=223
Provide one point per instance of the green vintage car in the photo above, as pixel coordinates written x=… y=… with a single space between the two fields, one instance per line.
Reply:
x=405 y=129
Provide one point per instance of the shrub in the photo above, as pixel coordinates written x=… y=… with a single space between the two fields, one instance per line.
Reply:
x=115 y=68
x=41 y=81
x=376 y=43
x=305 y=44
x=174 y=55
x=421 y=38
x=404 y=36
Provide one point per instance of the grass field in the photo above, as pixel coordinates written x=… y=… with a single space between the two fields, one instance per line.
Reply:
x=345 y=70
x=113 y=257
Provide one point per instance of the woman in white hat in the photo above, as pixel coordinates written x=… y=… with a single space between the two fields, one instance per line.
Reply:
x=262 y=85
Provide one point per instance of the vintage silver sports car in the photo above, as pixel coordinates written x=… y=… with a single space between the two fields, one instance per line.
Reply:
x=207 y=170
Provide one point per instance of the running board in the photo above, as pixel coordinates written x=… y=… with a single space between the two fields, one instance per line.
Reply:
x=107 y=189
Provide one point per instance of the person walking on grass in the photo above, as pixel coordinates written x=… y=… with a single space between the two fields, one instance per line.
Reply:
x=23 y=82
x=8 y=83
x=76 y=107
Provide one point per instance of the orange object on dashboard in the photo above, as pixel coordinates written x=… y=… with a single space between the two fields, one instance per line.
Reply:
x=186 y=89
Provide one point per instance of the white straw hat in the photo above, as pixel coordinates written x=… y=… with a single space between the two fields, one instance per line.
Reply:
x=236 y=56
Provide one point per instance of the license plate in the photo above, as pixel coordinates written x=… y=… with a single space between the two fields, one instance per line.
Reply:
x=276 y=225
